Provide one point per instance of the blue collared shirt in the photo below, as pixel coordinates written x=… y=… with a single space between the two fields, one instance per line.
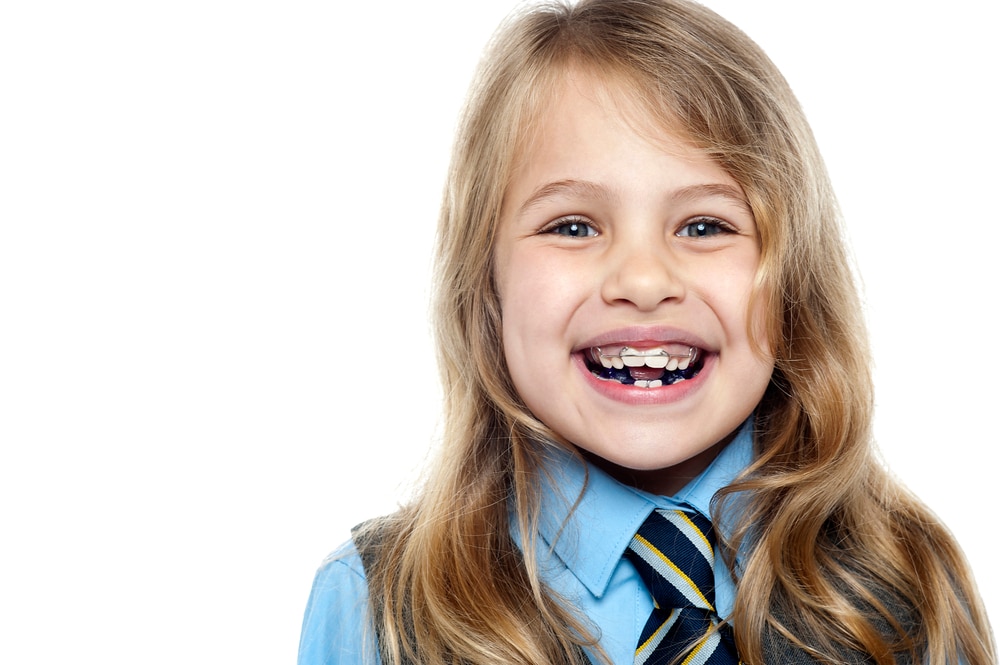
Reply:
x=579 y=553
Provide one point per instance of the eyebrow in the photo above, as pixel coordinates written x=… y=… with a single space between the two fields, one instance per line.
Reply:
x=568 y=188
x=693 y=193
x=586 y=189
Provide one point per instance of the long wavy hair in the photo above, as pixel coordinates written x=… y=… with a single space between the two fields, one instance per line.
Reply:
x=835 y=555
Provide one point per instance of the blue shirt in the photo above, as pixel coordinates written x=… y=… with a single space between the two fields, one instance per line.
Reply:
x=583 y=563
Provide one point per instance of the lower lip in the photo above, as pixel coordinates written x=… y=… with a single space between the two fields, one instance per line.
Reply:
x=627 y=394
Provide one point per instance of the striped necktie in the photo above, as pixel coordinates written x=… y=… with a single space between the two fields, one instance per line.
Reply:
x=674 y=553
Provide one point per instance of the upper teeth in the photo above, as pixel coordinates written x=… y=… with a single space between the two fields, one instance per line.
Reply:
x=657 y=358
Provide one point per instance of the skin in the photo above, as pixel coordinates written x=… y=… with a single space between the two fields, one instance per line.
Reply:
x=616 y=231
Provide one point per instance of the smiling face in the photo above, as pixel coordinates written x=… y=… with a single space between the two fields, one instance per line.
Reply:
x=624 y=263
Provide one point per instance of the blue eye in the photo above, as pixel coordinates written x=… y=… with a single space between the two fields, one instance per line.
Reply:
x=703 y=227
x=573 y=228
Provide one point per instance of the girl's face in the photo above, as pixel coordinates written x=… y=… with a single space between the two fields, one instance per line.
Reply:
x=624 y=257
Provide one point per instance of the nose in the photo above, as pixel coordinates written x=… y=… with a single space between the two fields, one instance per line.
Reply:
x=643 y=274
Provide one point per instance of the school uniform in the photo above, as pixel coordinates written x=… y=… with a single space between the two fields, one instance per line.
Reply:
x=580 y=559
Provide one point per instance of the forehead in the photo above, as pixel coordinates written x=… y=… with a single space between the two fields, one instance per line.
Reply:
x=625 y=97
x=574 y=110
x=597 y=150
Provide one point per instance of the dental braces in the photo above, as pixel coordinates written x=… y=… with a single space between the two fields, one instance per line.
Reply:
x=630 y=357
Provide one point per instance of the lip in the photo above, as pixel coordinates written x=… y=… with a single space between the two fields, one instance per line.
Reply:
x=644 y=337
x=634 y=395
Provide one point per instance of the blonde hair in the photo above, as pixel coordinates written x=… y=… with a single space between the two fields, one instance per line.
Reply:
x=835 y=555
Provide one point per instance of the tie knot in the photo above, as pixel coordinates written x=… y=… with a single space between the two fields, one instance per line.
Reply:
x=674 y=553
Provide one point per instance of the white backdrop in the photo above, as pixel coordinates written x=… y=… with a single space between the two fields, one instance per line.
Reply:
x=216 y=228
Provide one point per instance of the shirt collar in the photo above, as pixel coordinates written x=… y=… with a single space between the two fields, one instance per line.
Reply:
x=591 y=539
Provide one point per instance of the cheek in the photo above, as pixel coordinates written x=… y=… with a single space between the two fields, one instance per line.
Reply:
x=537 y=302
x=514 y=305
x=528 y=283
x=743 y=304
x=763 y=320
x=758 y=325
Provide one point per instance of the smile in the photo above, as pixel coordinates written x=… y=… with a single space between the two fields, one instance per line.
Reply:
x=644 y=368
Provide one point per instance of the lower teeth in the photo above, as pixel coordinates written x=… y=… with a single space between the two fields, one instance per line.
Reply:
x=622 y=376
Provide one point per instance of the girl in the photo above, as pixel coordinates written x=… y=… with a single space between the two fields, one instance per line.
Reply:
x=646 y=325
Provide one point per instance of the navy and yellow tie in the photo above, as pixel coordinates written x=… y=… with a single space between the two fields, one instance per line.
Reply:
x=674 y=553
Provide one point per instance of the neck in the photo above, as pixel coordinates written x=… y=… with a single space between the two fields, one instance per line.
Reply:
x=667 y=481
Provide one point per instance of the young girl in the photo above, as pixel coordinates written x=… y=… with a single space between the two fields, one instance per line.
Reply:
x=657 y=441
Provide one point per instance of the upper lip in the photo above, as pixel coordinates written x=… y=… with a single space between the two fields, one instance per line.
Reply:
x=644 y=337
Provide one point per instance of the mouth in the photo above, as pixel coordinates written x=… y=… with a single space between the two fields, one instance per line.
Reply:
x=652 y=367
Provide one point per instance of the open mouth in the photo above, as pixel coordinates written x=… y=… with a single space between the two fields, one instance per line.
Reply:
x=645 y=368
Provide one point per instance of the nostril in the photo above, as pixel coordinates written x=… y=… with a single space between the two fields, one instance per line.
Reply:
x=643 y=280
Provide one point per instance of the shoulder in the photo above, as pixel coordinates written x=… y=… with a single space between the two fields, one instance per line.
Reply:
x=901 y=616
x=341 y=567
x=336 y=629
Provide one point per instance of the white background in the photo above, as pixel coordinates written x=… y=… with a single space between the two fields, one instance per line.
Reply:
x=216 y=229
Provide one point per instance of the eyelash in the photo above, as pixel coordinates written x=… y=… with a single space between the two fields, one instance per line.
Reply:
x=569 y=222
x=717 y=226
x=702 y=227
